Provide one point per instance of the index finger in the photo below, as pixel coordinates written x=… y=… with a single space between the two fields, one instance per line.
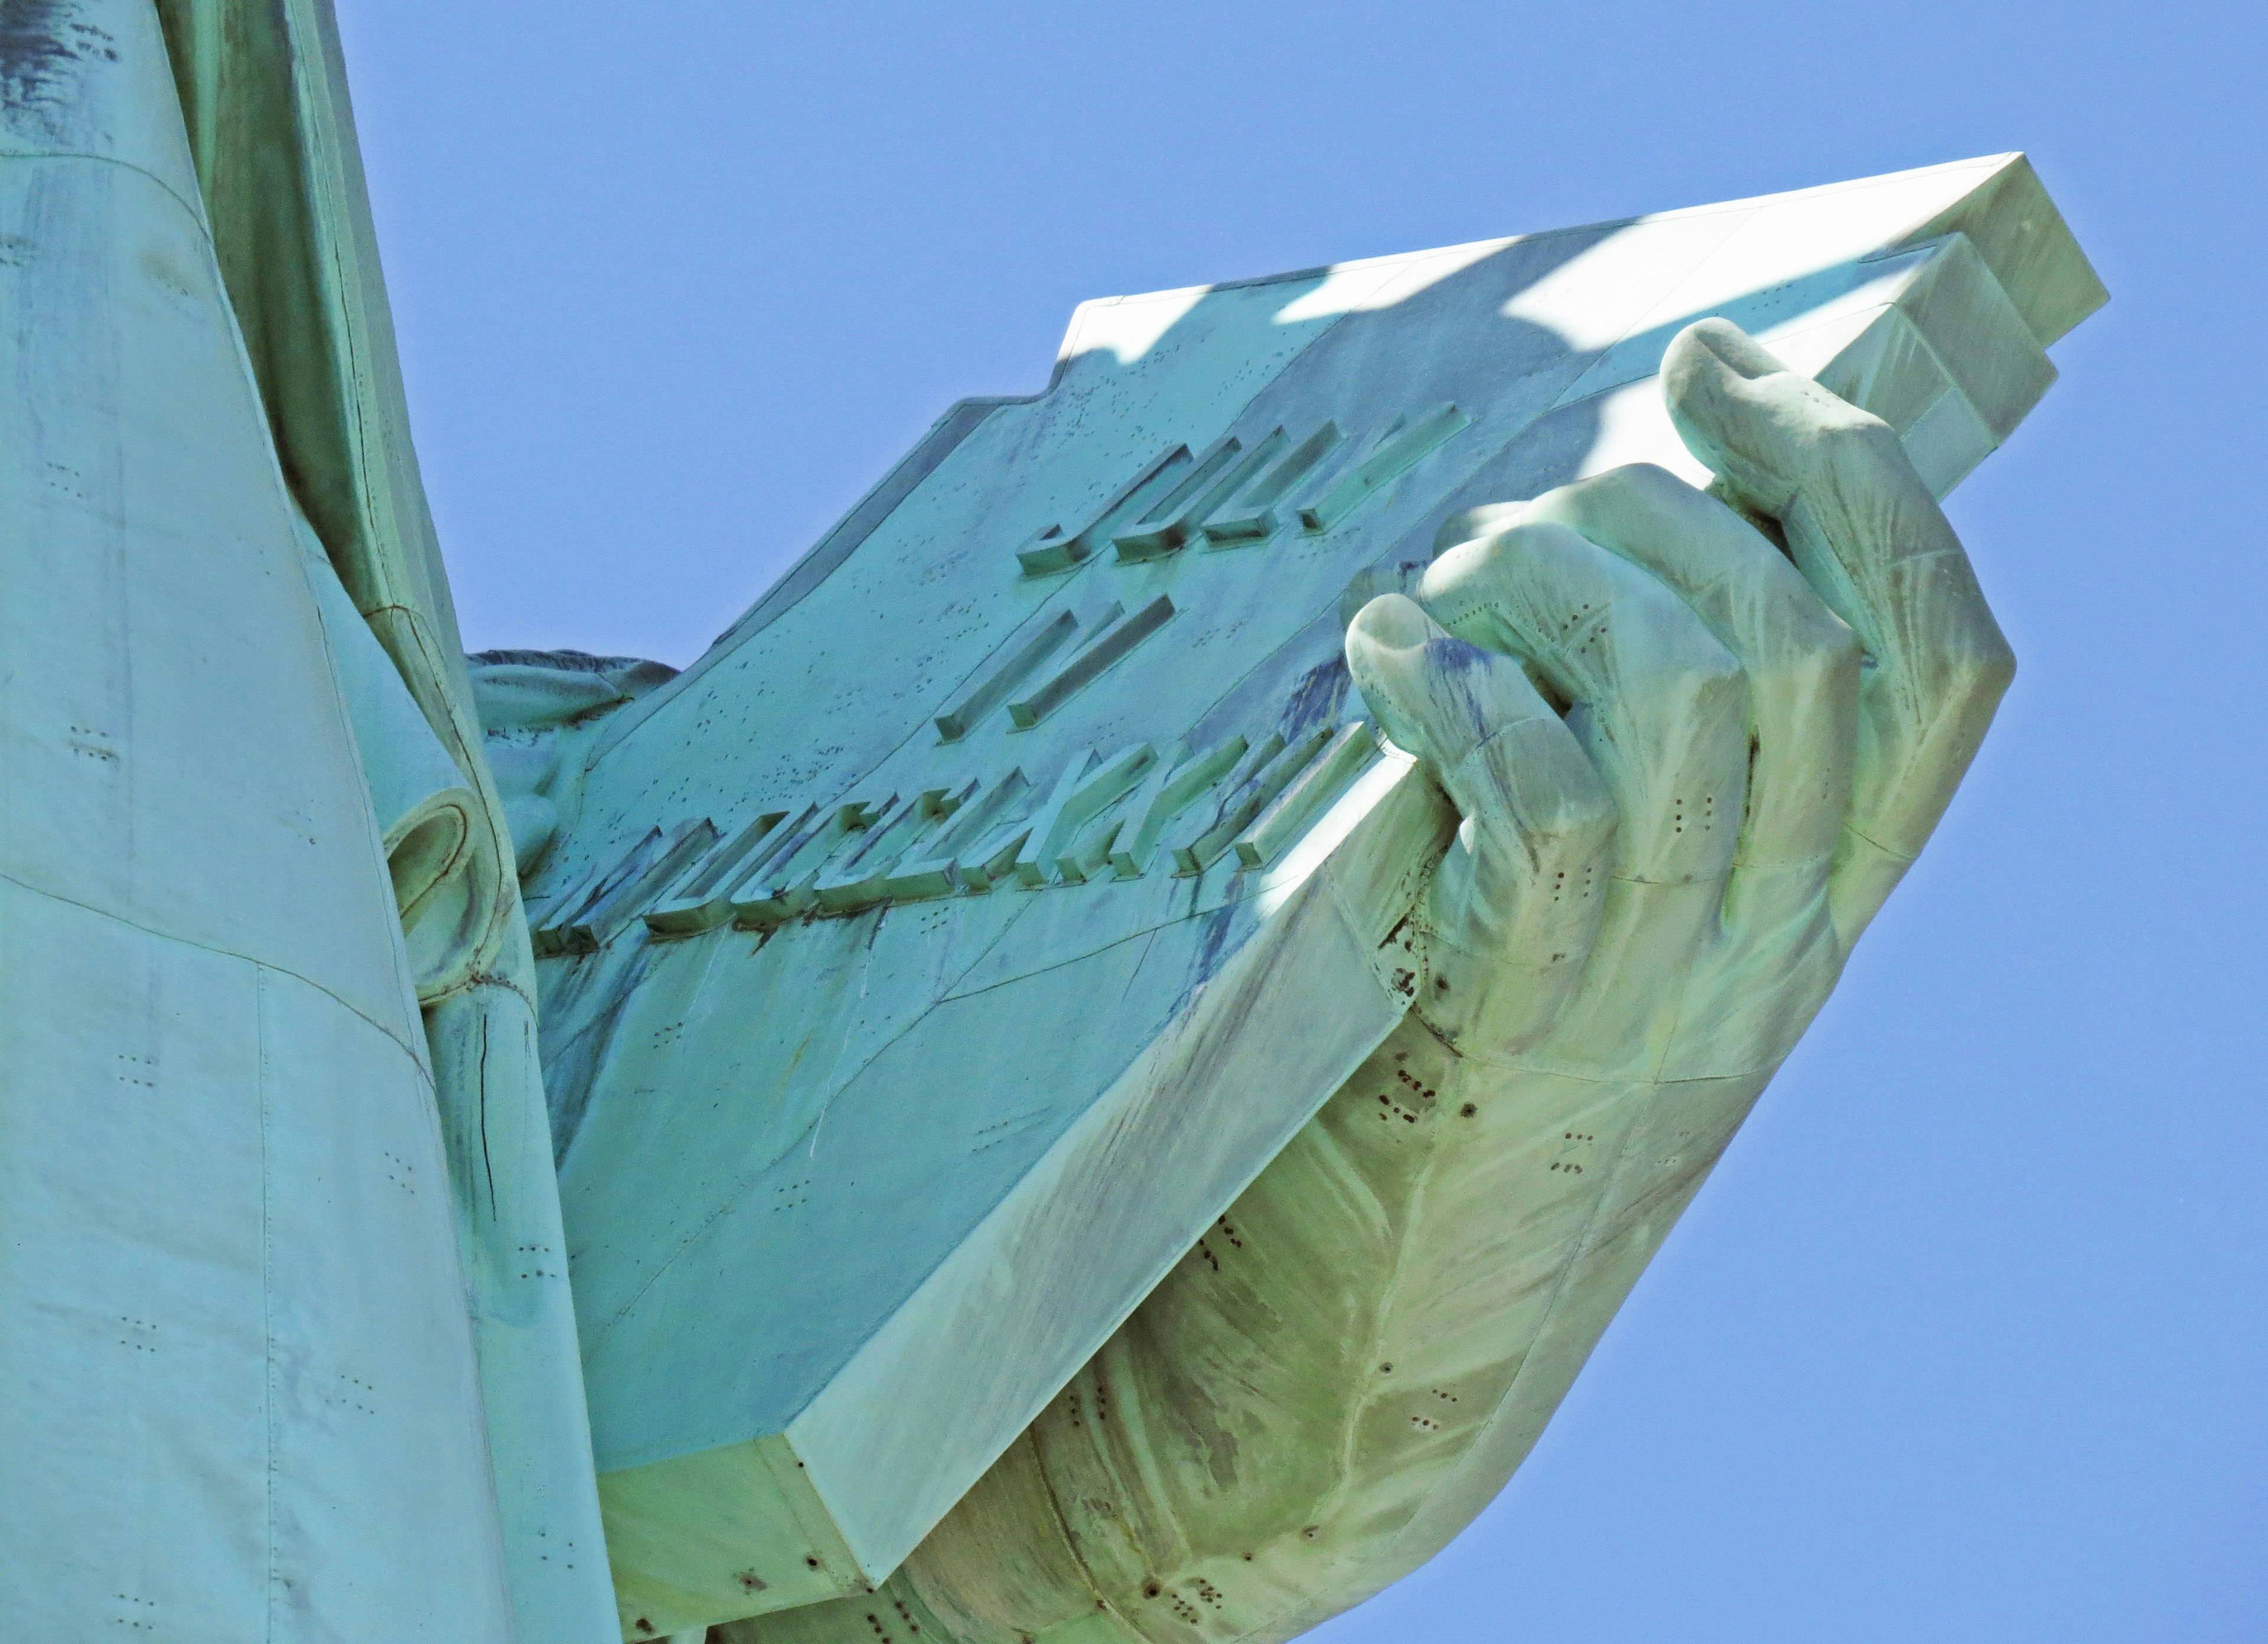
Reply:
x=1866 y=531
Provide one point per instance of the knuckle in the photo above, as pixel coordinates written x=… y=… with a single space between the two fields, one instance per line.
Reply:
x=1697 y=694
x=1610 y=482
x=1635 y=495
x=1463 y=576
x=1816 y=653
x=1649 y=480
x=1830 y=641
x=1858 y=445
x=1569 y=828
x=1702 y=672
x=1976 y=664
x=1585 y=819
x=1471 y=524
x=1836 y=419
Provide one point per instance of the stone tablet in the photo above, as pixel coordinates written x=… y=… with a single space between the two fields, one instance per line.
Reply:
x=930 y=964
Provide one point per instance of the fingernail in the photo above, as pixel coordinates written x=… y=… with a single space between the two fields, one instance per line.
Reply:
x=1730 y=346
x=1393 y=622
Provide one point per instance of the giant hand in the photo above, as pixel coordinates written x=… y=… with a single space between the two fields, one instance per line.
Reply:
x=1690 y=767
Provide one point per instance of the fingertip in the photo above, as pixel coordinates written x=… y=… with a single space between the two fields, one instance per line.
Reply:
x=1385 y=654
x=1721 y=382
x=1712 y=378
x=1705 y=372
x=1724 y=344
x=1392 y=621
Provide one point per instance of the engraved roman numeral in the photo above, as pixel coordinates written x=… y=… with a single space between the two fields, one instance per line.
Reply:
x=957 y=722
x=701 y=903
x=1235 y=498
x=1107 y=647
x=1181 y=512
x=1250 y=515
x=1406 y=441
x=1099 y=819
x=1049 y=550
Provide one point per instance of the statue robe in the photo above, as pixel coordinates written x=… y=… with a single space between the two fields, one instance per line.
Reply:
x=270 y=1115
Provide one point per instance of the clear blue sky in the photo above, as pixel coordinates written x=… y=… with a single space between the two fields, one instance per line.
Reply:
x=1966 y=1340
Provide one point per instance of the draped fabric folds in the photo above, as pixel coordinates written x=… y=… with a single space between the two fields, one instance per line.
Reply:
x=264 y=96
